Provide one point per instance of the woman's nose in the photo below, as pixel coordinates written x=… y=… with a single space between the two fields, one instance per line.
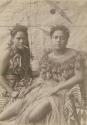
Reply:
x=21 y=41
x=58 y=39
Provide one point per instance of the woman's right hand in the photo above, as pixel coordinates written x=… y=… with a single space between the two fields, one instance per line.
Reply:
x=14 y=94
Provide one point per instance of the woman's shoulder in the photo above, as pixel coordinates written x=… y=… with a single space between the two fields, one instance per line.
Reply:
x=73 y=52
x=79 y=58
x=4 y=53
x=44 y=59
x=78 y=54
x=46 y=54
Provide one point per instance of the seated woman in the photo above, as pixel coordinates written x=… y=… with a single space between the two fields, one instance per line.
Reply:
x=50 y=101
x=15 y=70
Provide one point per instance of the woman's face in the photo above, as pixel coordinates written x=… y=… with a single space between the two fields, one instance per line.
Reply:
x=19 y=40
x=59 y=40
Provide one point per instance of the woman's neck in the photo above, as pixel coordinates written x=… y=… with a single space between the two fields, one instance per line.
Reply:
x=16 y=50
x=60 y=52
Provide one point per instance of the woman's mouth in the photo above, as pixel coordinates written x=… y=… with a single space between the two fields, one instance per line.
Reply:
x=58 y=45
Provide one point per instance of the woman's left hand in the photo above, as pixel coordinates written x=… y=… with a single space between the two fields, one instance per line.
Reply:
x=14 y=94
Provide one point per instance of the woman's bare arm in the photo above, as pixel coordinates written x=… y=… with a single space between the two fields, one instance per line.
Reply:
x=76 y=79
x=4 y=62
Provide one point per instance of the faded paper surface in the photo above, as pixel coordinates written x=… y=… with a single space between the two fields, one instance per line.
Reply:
x=39 y=16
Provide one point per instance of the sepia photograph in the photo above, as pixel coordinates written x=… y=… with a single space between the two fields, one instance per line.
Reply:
x=43 y=62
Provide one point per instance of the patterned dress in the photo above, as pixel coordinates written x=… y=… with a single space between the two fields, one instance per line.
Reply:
x=18 y=72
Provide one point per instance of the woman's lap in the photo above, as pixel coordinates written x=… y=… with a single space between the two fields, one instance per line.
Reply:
x=31 y=104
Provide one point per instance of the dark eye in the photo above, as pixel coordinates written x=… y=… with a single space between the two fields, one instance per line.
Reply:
x=18 y=38
x=56 y=37
x=63 y=38
x=23 y=39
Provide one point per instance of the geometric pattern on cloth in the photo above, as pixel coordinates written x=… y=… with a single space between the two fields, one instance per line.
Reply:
x=82 y=115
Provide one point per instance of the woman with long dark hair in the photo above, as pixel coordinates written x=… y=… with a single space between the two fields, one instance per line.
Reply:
x=15 y=69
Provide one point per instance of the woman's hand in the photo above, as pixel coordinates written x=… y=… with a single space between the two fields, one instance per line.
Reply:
x=14 y=94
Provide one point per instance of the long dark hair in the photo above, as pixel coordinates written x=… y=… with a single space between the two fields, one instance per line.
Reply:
x=26 y=50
